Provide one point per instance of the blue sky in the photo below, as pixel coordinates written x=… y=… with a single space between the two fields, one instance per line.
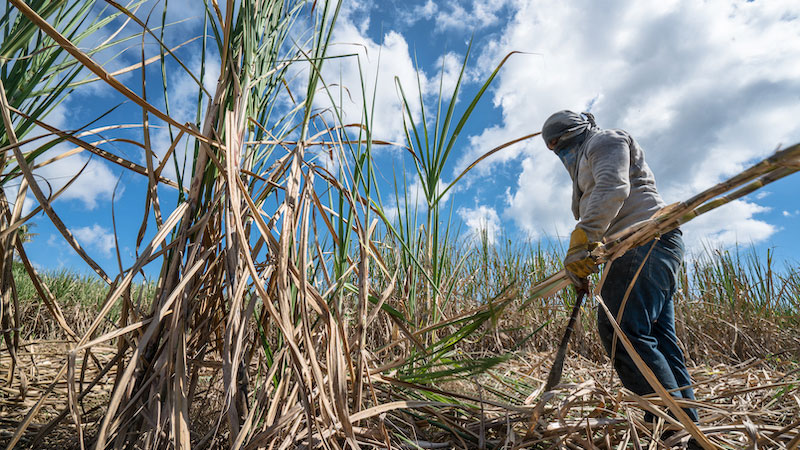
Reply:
x=707 y=88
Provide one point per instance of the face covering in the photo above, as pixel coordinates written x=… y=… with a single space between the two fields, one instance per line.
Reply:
x=569 y=157
x=569 y=130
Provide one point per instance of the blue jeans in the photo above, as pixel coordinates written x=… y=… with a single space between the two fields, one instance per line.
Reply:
x=648 y=318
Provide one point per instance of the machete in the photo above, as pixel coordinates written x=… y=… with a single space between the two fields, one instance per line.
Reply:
x=558 y=365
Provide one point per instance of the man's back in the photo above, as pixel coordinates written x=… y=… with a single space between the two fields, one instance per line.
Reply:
x=615 y=189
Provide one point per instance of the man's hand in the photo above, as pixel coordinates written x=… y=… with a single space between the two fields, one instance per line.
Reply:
x=579 y=262
x=578 y=282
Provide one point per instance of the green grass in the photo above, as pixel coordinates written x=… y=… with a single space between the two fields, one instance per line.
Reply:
x=80 y=297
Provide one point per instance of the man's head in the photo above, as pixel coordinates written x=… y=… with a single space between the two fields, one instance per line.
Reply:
x=559 y=129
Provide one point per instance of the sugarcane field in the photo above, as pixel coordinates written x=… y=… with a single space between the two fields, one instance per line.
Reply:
x=432 y=224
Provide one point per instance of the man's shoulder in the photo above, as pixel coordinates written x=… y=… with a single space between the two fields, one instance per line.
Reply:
x=608 y=138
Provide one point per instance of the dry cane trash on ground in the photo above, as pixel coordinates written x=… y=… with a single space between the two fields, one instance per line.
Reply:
x=42 y=362
x=755 y=404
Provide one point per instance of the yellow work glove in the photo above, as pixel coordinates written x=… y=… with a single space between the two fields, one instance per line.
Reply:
x=579 y=261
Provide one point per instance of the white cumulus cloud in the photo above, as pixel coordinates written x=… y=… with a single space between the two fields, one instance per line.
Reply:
x=96 y=237
x=734 y=223
x=461 y=15
x=370 y=73
x=374 y=66
x=545 y=178
x=425 y=11
x=479 y=220
x=96 y=180
x=94 y=184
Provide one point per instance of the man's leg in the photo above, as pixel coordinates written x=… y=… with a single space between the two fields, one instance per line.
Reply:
x=664 y=331
x=670 y=251
x=641 y=310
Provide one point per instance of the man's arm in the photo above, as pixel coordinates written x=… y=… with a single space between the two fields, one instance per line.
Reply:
x=609 y=157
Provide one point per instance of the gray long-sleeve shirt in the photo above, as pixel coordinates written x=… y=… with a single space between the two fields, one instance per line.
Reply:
x=613 y=187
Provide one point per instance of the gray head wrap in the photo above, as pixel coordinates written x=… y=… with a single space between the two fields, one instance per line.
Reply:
x=564 y=126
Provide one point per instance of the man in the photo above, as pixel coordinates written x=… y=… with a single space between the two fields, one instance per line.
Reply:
x=613 y=189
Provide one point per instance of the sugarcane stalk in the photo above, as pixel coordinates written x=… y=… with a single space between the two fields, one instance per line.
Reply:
x=748 y=189
x=777 y=160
